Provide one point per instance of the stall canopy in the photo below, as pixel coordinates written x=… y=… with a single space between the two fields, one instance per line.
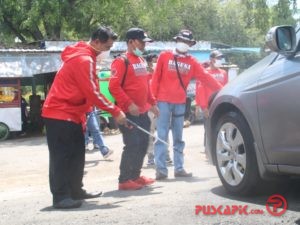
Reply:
x=26 y=63
x=29 y=63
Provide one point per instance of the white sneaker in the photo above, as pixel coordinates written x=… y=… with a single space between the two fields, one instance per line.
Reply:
x=90 y=146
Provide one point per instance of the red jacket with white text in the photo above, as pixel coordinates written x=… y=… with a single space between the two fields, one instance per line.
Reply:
x=136 y=83
x=75 y=88
x=165 y=83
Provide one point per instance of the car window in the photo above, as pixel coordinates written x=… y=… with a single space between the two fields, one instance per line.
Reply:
x=297 y=35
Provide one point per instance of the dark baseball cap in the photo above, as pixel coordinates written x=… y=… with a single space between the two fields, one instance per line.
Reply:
x=185 y=35
x=216 y=54
x=137 y=33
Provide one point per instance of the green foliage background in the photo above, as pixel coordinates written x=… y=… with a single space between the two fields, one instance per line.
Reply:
x=234 y=22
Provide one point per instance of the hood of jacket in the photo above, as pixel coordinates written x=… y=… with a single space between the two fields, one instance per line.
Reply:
x=79 y=49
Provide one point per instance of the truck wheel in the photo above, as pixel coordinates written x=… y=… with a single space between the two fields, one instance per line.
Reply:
x=4 y=131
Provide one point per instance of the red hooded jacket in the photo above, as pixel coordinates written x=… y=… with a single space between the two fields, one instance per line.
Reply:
x=75 y=88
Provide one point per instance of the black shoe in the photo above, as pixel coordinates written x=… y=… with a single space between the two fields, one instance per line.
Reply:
x=85 y=195
x=67 y=203
x=183 y=173
x=161 y=176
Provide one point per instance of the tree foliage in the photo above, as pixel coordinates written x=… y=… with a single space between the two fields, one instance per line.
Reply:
x=234 y=22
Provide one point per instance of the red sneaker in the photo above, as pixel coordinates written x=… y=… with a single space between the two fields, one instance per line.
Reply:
x=144 y=180
x=129 y=185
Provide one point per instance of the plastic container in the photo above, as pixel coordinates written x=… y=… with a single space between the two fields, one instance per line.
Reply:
x=103 y=85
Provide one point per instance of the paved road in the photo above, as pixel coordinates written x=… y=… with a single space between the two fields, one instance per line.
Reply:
x=25 y=196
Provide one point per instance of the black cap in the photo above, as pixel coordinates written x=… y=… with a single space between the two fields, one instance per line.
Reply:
x=137 y=33
x=185 y=35
x=216 y=54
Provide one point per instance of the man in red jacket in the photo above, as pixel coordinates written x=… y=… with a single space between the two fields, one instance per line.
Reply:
x=74 y=90
x=203 y=93
x=129 y=84
x=173 y=72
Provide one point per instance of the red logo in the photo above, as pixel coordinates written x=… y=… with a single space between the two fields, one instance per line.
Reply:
x=276 y=205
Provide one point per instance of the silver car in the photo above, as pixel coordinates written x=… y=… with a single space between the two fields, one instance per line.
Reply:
x=254 y=127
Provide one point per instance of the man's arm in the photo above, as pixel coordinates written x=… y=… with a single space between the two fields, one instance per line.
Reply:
x=87 y=83
x=156 y=77
x=118 y=68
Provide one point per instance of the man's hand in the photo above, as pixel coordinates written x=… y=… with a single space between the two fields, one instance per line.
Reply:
x=155 y=110
x=121 y=119
x=134 y=109
x=206 y=113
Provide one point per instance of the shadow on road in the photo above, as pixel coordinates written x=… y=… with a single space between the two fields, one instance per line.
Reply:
x=186 y=179
x=88 y=206
x=148 y=190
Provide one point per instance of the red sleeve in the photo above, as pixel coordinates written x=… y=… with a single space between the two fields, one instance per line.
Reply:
x=118 y=68
x=156 y=77
x=202 y=96
x=151 y=98
x=87 y=82
x=206 y=79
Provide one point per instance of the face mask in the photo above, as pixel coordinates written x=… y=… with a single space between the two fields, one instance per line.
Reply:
x=218 y=63
x=182 y=47
x=103 y=55
x=138 y=52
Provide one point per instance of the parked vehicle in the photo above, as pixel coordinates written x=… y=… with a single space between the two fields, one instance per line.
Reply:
x=10 y=107
x=254 y=126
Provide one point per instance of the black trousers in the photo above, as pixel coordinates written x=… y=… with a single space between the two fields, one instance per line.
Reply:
x=135 y=148
x=67 y=157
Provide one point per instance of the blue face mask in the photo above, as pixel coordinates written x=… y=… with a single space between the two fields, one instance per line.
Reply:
x=138 y=52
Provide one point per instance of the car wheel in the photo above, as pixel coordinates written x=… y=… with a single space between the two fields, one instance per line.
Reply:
x=4 y=131
x=235 y=155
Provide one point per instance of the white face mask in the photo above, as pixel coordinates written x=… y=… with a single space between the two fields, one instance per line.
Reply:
x=103 y=55
x=182 y=47
x=138 y=52
x=218 y=63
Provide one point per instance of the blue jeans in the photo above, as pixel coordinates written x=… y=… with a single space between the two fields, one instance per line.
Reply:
x=170 y=116
x=93 y=128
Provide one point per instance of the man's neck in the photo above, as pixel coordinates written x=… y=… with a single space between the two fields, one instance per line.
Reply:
x=182 y=54
x=90 y=43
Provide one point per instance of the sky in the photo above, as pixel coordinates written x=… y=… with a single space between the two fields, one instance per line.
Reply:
x=273 y=2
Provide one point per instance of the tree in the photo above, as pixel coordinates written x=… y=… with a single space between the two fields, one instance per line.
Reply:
x=281 y=13
x=34 y=20
x=233 y=22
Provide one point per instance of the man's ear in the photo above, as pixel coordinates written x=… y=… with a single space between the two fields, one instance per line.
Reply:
x=97 y=41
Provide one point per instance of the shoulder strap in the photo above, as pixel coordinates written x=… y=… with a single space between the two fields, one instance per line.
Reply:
x=178 y=74
x=126 y=61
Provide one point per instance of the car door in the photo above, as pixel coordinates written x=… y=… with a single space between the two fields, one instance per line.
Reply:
x=279 y=111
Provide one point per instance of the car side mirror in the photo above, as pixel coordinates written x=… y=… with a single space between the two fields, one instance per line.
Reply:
x=282 y=39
